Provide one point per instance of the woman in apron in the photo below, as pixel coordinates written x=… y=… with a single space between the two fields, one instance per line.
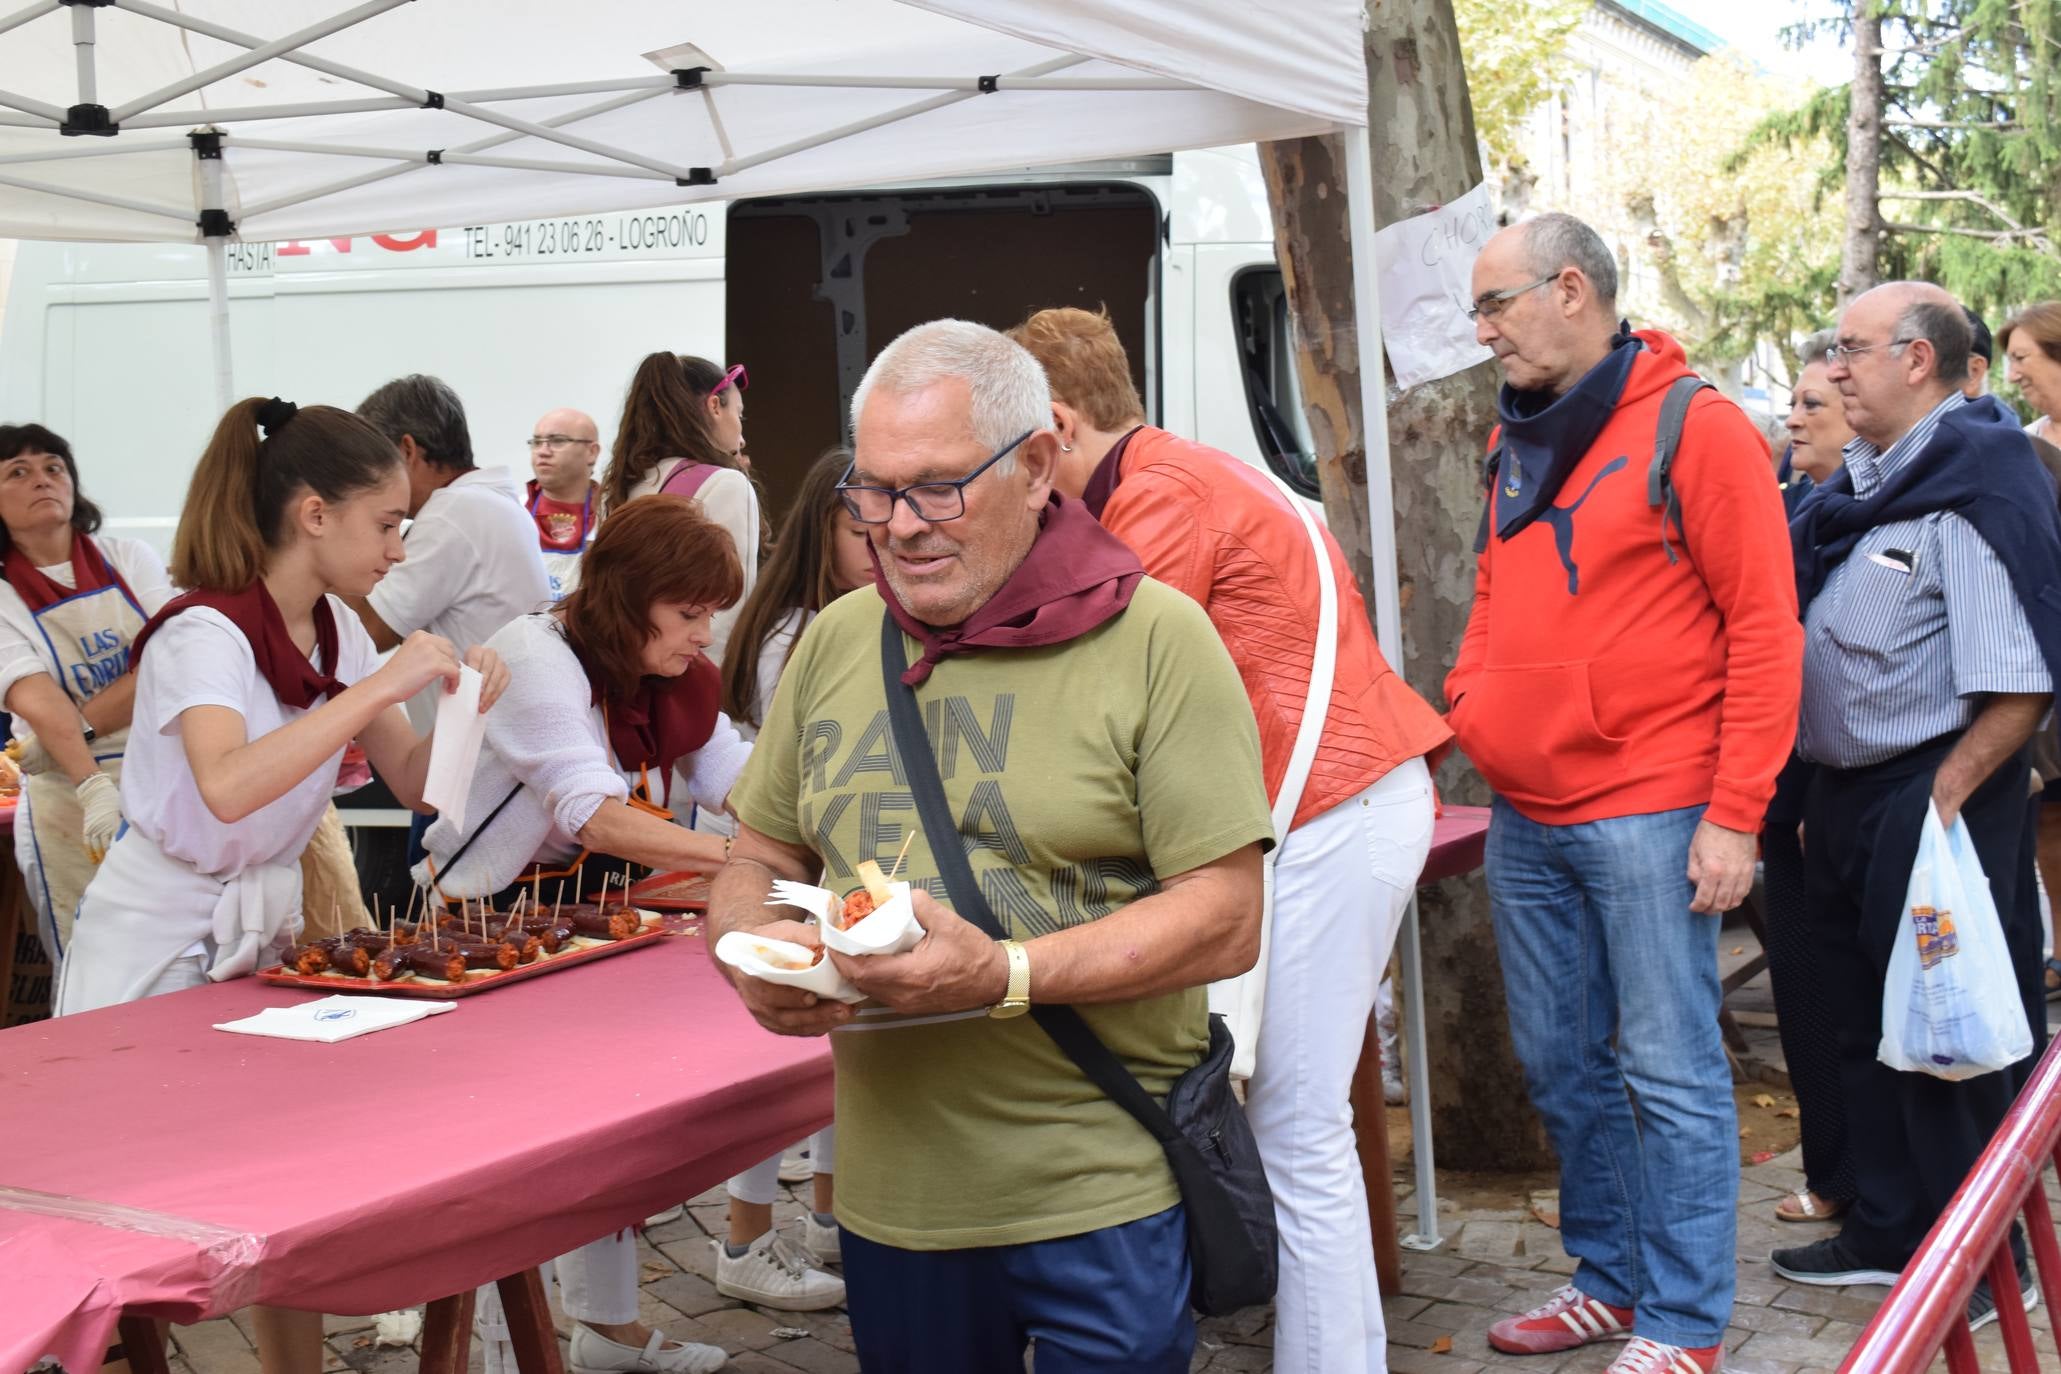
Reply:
x=610 y=689
x=70 y=608
x=682 y=433
x=248 y=689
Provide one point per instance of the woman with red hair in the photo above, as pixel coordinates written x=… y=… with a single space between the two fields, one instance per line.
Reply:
x=609 y=689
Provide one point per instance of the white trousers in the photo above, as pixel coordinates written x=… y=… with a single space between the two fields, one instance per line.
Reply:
x=1341 y=884
x=761 y=1182
x=598 y=1281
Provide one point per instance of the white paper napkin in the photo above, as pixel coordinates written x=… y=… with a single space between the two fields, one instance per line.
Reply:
x=334 y=1018
x=454 y=748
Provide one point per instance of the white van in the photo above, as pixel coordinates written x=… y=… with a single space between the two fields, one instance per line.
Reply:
x=108 y=345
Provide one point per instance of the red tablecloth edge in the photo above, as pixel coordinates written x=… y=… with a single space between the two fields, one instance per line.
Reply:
x=1457 y=839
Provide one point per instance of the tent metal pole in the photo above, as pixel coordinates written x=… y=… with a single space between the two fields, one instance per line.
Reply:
x=549 y=134
x=520 y=164
x=895 y=116
x=82 y=50
x=141 y=207
x=186 y=119
x=948 y=83
x=1388 y=627
x=661 y=82
x=118 y=147
x=255 y=208
x=218 y=285
x=24 y=121
x=23 y=16
x=30 y=105
x=262 y=53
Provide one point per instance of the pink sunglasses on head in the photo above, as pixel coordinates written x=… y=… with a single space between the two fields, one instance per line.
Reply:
x=736 y=374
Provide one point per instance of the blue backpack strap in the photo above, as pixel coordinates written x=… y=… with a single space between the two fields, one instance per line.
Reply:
x=1667 y=441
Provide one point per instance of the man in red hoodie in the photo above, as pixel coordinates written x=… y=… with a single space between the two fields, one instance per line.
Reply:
x=1629 y=690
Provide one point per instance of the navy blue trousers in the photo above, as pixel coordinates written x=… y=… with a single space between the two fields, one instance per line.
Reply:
x=1113 y=1301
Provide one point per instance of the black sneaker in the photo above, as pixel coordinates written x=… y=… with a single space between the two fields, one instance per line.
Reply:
x=1982 y=1308
x=1828 y=1263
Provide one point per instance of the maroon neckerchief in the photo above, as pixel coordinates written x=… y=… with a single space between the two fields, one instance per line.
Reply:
x=664 y=720
x=91 y=572
x=1076 y=576
x=1102 y=482
x=295 y=681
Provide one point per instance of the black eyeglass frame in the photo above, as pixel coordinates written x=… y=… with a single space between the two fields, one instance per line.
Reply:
x=847 y=491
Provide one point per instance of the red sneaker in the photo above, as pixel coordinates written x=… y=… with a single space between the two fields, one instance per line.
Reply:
x=1651 y=1357
x=1571 y=1319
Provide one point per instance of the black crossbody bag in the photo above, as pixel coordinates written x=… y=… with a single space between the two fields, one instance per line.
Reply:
x=1232 y=1240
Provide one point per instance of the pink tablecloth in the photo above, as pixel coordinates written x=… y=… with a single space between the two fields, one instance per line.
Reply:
x=384 y=1171
x=1457 y=839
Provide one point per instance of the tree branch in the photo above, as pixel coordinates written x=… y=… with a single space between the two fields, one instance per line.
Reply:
x=2036 y=237
x=1919 y=122
x=1970 y=197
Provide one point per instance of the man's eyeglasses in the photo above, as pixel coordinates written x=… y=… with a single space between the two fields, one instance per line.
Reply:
x=557 y=441
x=932 y=502
x=1838 y=355
x=735 y=376
x=1493 y=303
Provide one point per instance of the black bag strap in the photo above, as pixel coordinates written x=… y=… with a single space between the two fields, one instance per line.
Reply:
x=459 y=853
x=1065 y=1025
x=1491 y=469
x=1667 y=441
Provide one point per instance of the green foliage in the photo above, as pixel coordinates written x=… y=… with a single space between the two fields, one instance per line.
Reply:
x=1516 y=56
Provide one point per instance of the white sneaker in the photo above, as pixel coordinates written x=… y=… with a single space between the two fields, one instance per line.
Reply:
x=1392 y=1090
x=594 y=1353
x=796 y=1167
x=776 y=1272
x=821 y=1241
x=672 y=1213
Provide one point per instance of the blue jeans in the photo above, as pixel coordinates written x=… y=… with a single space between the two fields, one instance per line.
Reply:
x=1113 y=1301
x=1612 y=985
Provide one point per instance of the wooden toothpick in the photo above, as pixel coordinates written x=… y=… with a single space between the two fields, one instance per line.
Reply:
x=907 y=840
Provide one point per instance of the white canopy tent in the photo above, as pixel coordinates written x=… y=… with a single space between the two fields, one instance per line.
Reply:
x=264 y=120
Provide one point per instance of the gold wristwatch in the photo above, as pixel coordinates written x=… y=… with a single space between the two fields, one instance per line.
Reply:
x=1015 y=1001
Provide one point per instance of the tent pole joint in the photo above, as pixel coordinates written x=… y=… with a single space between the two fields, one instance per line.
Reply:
x=687 y=78
x=88 y=121
x=432 y=100
x=990 y=84
x=207 y=146
x=435 y=156
x=215 y=224
x=697 y=176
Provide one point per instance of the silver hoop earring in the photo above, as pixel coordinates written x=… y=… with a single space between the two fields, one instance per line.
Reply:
x=1066 y=448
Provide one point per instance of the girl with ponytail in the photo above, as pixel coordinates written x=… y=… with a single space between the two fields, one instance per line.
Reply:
x=682 y=433
x=248 y=689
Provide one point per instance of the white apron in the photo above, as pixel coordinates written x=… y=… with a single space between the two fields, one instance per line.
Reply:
x=88 y=635
x=145 y=910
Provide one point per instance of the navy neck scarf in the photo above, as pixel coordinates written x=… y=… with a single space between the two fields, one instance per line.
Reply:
x=1544 y=436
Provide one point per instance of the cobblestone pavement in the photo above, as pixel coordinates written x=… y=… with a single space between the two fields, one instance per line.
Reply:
x=1493 y=1261
x=1495 y=1258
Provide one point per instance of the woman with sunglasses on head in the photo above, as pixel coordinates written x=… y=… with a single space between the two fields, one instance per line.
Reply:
x=682 y=432
x=71 y=605
x=820 y=555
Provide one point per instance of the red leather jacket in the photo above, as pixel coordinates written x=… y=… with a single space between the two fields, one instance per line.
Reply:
x=1210 y=526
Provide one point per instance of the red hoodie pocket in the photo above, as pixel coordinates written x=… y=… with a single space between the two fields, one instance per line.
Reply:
x=1532 y=732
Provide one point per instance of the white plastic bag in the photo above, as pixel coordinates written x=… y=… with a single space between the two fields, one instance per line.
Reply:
x=1950 y=1005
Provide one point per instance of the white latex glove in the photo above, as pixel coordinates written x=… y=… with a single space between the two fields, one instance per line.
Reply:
x=28 y=751
x=101 y=800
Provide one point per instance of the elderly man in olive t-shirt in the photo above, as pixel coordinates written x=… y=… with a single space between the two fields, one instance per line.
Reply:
x=1100 y=758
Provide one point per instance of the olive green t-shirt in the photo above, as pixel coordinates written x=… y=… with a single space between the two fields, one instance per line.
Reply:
x=1081 y=773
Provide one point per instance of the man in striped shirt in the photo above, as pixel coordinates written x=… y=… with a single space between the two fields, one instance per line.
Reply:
x=1926 y=669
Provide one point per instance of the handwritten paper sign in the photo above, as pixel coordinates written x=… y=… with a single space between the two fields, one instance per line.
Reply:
x=1425 y=264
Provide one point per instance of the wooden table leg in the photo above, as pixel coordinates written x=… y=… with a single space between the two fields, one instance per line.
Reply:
x=1370 y=1134
x=447 y=1334
x=529 y=1323
x=143 y=1345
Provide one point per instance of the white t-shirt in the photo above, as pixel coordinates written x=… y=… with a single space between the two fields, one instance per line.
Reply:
x=547 y=734
x=727 y=497
x=472 y=566
x=772 y=662
x=200 y=658
x=23 y=647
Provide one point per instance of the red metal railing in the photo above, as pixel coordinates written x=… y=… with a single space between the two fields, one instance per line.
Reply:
x=1928 y=1308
